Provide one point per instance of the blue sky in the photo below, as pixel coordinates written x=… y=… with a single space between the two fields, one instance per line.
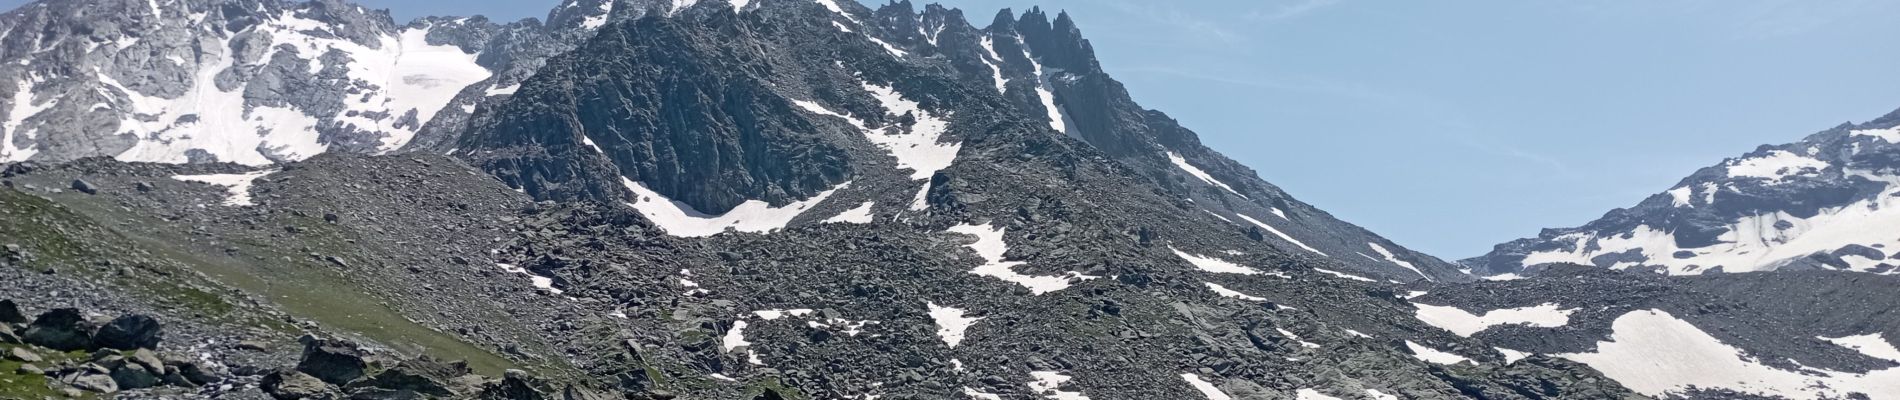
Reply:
x=1450 y=126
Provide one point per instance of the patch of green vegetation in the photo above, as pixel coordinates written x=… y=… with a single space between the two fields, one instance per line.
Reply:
x=302 y=286
x=15 y=385
x=34 y=223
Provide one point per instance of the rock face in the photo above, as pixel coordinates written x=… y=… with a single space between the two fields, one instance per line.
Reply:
x=1826 y=202
x=783 y=103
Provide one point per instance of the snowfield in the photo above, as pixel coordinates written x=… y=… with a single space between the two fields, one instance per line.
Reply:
x=1654 y=353
x=1753 y=243
x=1465 y=324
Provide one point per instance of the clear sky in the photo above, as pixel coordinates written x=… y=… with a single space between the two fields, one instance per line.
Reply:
x=1450 y=126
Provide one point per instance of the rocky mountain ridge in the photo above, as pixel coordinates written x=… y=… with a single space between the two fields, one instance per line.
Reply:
x=1825 y=202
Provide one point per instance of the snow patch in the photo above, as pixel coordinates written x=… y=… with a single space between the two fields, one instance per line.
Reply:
x=996 y=73
x=1047 y=384
x=1211 y=264
x=540 y=282
x=239 y=185
x=1206 y=388
x=1344 y=275
x=1224 y=291
x=1434 y=356
x=1511 y=356
x=1891 y=135
x=1775 y=166
x=1282 y=235
x=1395 y=259
x=1183 y=164
x=680 y=219
x=1463 y=323
x=921 y=150
x=1870 y=344
x=860 y=215
x=1654 y=353
x=991 y=246
x=951 y=323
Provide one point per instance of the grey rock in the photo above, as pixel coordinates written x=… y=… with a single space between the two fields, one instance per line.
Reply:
x=293 y=385
x=21 y=354
x=10 y=312
x=63 y=329
x=130 y=332
x=84 y=187
x=93 y=382
x=336 y=362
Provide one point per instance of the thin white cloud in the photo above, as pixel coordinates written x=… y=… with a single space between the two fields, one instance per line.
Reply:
x=1287 y=9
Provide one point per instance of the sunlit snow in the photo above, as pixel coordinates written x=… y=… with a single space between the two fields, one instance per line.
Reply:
x=239 y=185
x=1282 y=235
x=860 y=215
x=951 y=323
x=680 y=219
x=1224 y=291
x=1211 y=264
x=1465 y=324
x=1656 y=354
x=1776 y=166
x=1047 y=384
x=1434 y=356
x=1395 y=259
x=1870 y=344
x=1206 y=388
x=1344 y=275
x=1753 y=243
x=991 y=246
x=996 y=73
x=1183 y=164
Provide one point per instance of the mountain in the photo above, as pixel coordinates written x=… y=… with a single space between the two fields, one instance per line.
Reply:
x=765 y=199
x=774 y=106
x=156 y=81
x=1826 y=202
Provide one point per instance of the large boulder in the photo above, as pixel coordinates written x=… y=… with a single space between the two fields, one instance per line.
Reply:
x=334 y=361
x=293 y=385
x=129 y=332
x=63 y=329
x=7 y=335
x=514 y=385
x=10 y=313
x=424 y=375
x=92 y=381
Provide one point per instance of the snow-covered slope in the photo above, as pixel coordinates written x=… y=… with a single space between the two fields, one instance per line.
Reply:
x=1828 y=201
x=255 y=81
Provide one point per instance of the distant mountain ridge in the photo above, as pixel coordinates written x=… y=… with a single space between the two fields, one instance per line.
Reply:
x=1826 y=202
